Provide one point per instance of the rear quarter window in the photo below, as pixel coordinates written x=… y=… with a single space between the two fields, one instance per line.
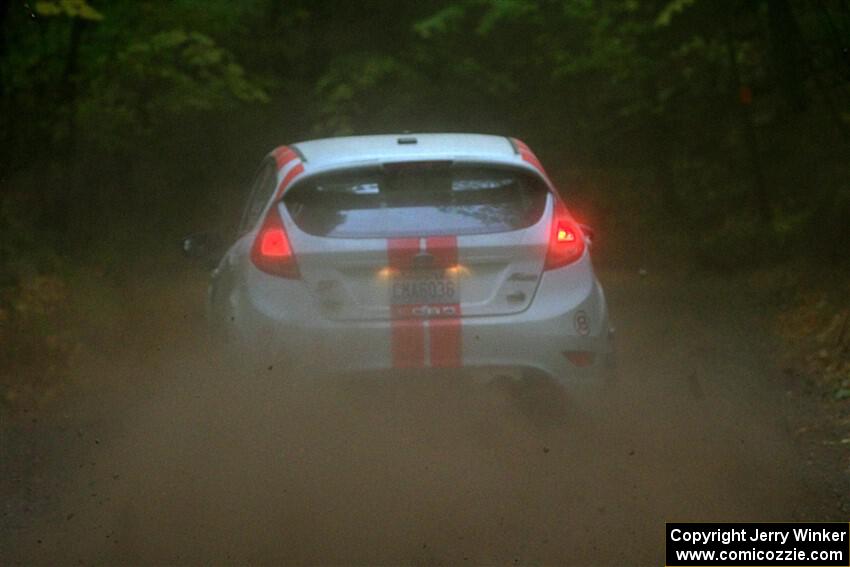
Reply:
x=417 y=201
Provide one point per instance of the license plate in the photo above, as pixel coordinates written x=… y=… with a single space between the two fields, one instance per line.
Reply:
x=428 y=287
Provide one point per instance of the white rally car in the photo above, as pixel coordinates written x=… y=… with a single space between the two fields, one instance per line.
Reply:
x=411 y=251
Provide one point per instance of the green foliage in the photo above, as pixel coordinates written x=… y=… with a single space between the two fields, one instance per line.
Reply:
x=670 y=10
x=441 y=21
x=172 y=73
x=350 y=82
x=505 y=11
x=642 y=89
x=69 y=8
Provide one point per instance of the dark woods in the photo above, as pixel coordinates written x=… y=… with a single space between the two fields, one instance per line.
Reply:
x=718 y=129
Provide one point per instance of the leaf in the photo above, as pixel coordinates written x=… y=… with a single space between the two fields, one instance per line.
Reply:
x=164 y=75
x=71 y=8
x=48 y=9
x=671 y=9
x=440 y=22
x=504 y=10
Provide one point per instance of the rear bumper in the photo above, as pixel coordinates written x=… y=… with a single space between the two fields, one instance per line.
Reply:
x=297 y=336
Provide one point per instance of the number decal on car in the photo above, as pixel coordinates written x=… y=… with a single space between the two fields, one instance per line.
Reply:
x=582 y=323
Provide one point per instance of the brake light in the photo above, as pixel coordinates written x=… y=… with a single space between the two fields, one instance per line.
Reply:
x=272 y=252
x=565 y=234
x=566 y=244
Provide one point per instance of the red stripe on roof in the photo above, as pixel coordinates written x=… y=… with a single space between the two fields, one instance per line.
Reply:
x=527 y=155
x=287 y=179
x=283 y=155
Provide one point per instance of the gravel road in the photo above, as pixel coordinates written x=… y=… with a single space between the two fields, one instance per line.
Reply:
x=167 y=456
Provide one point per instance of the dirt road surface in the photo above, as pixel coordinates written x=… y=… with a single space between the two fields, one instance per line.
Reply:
x=166 y=456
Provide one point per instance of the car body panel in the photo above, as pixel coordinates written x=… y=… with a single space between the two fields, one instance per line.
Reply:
x=346 y=151
x=339 y=316
x=351 y=279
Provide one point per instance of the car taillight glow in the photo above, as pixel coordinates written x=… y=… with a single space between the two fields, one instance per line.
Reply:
x=566 y=244
x=565 y=234
x=274 y=244
x=272 y=252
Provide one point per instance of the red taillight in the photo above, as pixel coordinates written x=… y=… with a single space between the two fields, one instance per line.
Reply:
x=274 y=244
x=272 y=252
x=566 y=244
x=565 y=234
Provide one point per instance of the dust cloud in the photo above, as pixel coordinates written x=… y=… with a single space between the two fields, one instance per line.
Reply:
x=180 y=456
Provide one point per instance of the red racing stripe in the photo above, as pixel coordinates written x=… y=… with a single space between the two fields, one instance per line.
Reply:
x=445 y=333
x=408 y=341
x=443 y=249
x=532 y=159
x=400 y=252
x=283 y=155
x=287 y=179
x=528 y=156
x=446 y=341
x=408 y=334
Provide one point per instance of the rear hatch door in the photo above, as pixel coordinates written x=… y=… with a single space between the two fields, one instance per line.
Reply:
x=420 y=239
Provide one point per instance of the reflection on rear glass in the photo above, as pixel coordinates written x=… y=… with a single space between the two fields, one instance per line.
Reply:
x=376 y=203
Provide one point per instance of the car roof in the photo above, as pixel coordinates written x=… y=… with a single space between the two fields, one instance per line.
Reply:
x=330 y=153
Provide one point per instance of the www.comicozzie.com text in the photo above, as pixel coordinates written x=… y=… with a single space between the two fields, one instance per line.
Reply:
x=726 y=536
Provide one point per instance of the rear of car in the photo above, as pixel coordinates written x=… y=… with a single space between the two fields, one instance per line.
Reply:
x=428 y=251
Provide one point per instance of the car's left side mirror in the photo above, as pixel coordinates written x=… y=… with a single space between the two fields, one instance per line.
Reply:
x=206 y=247
x=588 y=232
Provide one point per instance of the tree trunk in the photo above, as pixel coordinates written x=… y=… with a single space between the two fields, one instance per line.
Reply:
x=75 y=202
x=786 y=52
x=68 y=81
x=745 y=120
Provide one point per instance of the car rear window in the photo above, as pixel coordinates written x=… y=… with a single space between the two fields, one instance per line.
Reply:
x=416 y=200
